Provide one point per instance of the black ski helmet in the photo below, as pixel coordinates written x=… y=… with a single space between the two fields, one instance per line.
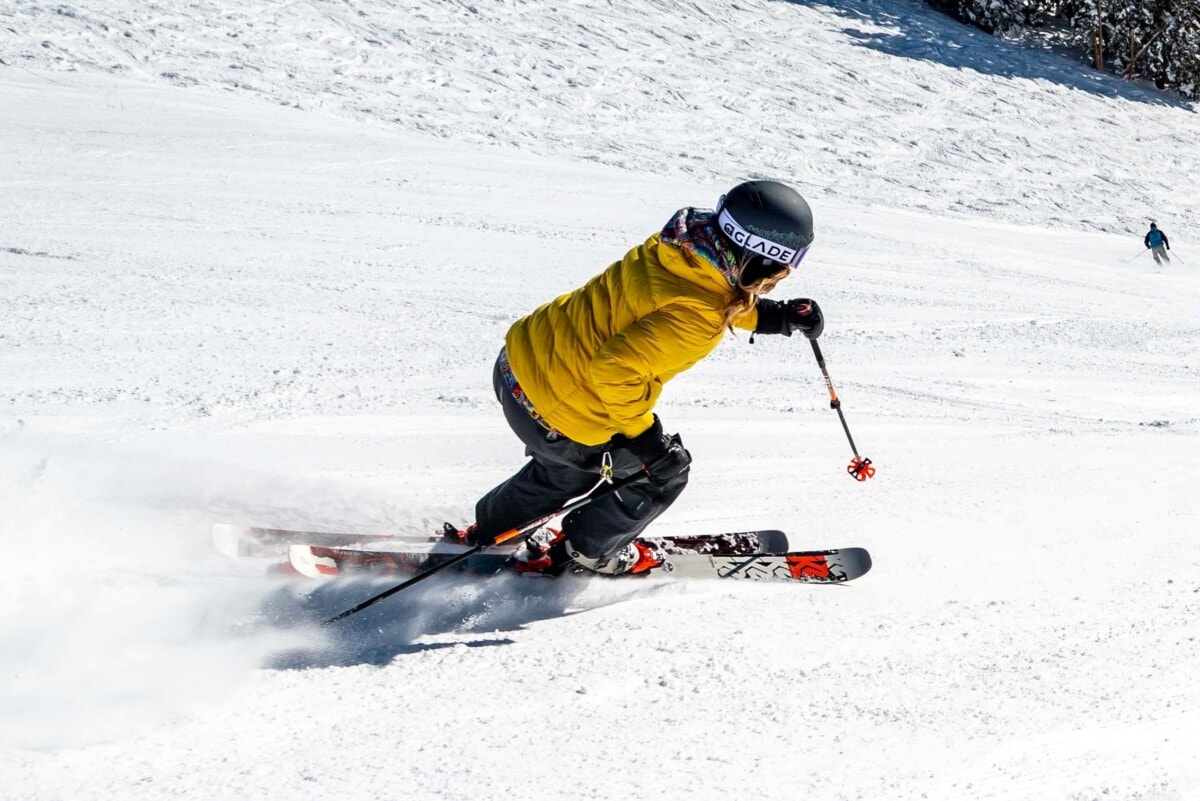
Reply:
x=766 y=221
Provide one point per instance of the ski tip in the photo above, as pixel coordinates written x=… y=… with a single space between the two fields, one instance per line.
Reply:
x=225 y=538
x=858 y=561
x=306 y=562
x=773 y=540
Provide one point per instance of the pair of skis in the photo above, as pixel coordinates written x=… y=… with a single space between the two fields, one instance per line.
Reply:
x=747 y=555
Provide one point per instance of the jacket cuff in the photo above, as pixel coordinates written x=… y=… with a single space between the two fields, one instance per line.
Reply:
x=646 y=422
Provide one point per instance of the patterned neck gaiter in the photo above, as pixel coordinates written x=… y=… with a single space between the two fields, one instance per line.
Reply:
x=695 y=231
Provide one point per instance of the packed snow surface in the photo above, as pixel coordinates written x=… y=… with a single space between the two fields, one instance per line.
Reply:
x=256 y=263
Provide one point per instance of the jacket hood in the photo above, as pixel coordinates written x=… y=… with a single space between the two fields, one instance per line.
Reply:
x=694 y=231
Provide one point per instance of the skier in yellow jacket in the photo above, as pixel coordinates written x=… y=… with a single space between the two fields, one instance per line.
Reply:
x=578 y=378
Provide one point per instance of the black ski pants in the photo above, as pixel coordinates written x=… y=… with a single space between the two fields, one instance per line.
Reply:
x=560 y=469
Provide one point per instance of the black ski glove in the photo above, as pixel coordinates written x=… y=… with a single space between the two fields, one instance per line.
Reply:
x=662 y=457
x=798 y=314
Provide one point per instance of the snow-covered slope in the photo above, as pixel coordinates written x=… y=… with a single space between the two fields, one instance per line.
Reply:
x=218 y=308
x=875 y=102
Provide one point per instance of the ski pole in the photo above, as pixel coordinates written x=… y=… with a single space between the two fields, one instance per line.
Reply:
x=511 y=534
x=860 y=468
x=1140 y=252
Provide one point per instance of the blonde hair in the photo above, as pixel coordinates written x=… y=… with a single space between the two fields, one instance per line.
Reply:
x=744 y=295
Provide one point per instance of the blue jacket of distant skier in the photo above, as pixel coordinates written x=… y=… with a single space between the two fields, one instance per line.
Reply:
x=1156 y=238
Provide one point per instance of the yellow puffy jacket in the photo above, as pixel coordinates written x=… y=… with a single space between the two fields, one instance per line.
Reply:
x=593 y=361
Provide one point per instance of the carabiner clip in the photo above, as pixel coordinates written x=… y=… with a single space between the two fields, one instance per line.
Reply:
x=606 y=468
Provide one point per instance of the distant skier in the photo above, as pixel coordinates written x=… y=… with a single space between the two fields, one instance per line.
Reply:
x=578 y=378
x=1156 y=240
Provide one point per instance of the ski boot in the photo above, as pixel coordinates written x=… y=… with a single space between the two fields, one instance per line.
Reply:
x=457 y=536
x=544 y=552
x=633 y=559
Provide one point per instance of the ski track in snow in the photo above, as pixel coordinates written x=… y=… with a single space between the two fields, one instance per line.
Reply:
x=215 y=308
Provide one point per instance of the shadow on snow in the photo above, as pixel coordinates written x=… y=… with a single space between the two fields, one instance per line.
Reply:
x=934 y=37
x=451 y=604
